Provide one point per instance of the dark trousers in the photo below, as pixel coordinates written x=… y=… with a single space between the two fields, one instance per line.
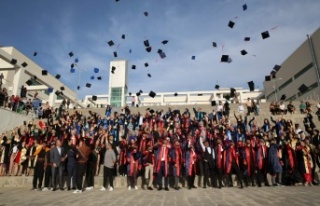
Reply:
x=107 y=176
x=208 y=172
x=57 y=171
x=47 y=176
x=91 y=171
x=72 y=174
x=80 y=172
x=162 y=173
x=262 y=174
x=236 y=170
x=219 y=176
x=38 y=174
x=191 y=180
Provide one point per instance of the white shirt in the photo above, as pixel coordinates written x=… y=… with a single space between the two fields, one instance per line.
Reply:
x=59 y=150
x=208 y=148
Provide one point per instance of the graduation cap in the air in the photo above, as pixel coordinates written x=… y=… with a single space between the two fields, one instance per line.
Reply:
x=58 y=76
x=165 y=42
x=149 y=75
x=251 y=85
x=159 y=51
x=115 y=54
x=146 y=13
x=44 y=72
x=88 y=85
x=72 y=65
x=146 y=64
x=96 y=70
x=35 y=54
x=273 y=74
x=71 y=54
x=62 y=88
x=148 y=49
x=303 y=88
x=247 y=38
x=50 y=90
x=193 y=57
x=232 y=92
x=244 y=7
x=141 y=91
x=94 y=98
x=133 y=67
x=265 y=35
x=244 y=52
x=224 y=58
x=214 y=44
x=276 y=67
x=76 y=60
x=99 y=78
x=267 y=78
x=162 y=55
x=110 y=43
x=146 y=43
x=231 y=24
x=283 y=97
x=138 y=94
x=72 y=70
x=92 y=77
x=175 y=94
x=123 y=36
x=29 y=82
x=152 y=94
x=213 y=103
x=13 y=61
x=78 y=87
x=24 y=64
x=113 y=69
x=130 y=93
x=217 y=86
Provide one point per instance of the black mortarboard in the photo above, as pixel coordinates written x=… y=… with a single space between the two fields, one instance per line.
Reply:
x=152 y=94
x=214 y=44
x=88 y=85
x=283 y=97
x=123 y=36
x=146 y=13
x=149 y=75
x=146 y=43
x=13 y=61
x=193 y=57
x=141 y=91
x=251 y=85
x=29 y=82
x=273 y=74
x=110 y=43
x=24 y=64
x=276 y=67
x=35 y=54
x=133 y=67
x=148 y=49
x=62 y=88
x=162 y=55
x=138 y=94
x=217 y=86
x=72 y=65
x=246 y=38
x=231 y=24
x=130 y=93
x=303 y=88
x=113 y=68
x=227 y=97
x=57 y=93
x=70 y=54
x=244 y=52
x=99 y=78
x=165 y=42
x=78 y=87
x=159 y=51
x=265 y=35
x=213 y=103
x=175 y=94
x=44 y=72
x=232 y=92
x=224 y=58
x=94 y=98
x=115 y=54
x=146 y=64
x=244 y=7
x=267 y=78
x=58 y=76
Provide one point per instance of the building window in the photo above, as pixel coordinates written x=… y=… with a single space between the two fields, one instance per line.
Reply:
x=292 y=98
x=116 y=96
x=304 y=70
x=285 y=84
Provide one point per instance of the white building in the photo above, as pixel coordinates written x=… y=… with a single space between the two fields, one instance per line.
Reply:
x=18 y=70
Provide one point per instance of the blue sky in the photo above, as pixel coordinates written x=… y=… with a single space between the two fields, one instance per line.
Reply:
x=53 y=28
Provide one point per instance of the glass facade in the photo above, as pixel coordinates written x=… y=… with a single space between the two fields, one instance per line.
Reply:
x=116 y=96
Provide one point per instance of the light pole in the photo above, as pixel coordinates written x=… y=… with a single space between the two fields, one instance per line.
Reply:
x=275 y=87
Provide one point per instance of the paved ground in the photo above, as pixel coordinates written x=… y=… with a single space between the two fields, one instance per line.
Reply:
x=298 y=195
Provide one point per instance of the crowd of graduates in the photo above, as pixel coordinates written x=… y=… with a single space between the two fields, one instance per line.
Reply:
x=159 y=145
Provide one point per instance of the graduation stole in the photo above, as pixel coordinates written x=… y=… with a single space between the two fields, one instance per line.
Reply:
x=290 y=155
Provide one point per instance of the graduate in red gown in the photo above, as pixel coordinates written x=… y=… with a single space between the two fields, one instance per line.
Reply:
x=248 y=160
x=261 y=163
x=177 y=160
x=191 y=165
x=219 y=161
x=162 y=163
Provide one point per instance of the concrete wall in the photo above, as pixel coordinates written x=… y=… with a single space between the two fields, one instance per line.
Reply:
x=10 y=120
